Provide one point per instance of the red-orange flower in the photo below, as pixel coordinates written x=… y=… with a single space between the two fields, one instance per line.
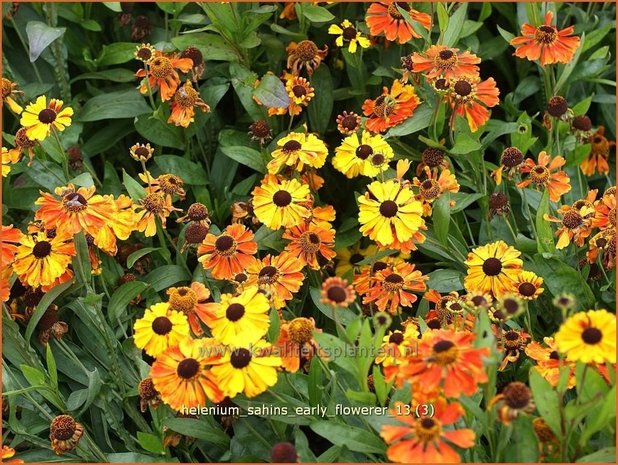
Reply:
x=279 y=277
x=161 y=73
x=393 y=287
x=425 y=439
x=386 y=18
x=313 y=245
x=596 y=162
x=9 y=238
x=448 y=358
x=192 y=301
x=229 y=253
x=470 y=98
x=546 y=173
x=391 y=108
x=548 y=361
x=546 y=42
x=441 y=61
x=605 y=211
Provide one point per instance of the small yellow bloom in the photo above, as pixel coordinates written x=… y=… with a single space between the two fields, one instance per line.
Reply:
x=589 y=337
x=347 y=33
x=40 y=118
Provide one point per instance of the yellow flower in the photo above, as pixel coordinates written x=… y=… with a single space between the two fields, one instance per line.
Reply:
x=242 y=319
x=9 y=157
x=297 y=150
x=389 y=212
x=493 y=268
x=528 y=285
x=250 y=370
x=40 y=119
x=9 y=89
x=278 y=203
x=589 y=337
x=41 y=260
x=368 y=155
x=347 y=33
x=160 y=328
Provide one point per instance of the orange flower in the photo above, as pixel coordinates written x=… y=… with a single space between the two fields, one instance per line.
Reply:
x=7 y=453
x=392 y=287
x=470 y=97
x=575 y=225
x=192 y=301
x=161 y=73
x=280 y=277
x=9 y=238
x=434 y=185
x=391 y=108
x=186 y=99
x=605 y=211
x=425 y=439
x=596 y=162
x=546 y=43
x=312 y=244
x=153 y=206
x=229 y=253
x=449 y=358
x=386 y=18
x=548 y=361
x=441 y=61
x=296 y=344
x=546 y=174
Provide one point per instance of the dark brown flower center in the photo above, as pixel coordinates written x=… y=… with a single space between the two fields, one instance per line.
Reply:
x=545 y=35
x=377 y=159
x=282 y=198
x=378 y=266
x=441 y=84
x=363 y=151
x=188 y=368
x=517 y=395
x=225 y=245
x=299 y=91
x=355 y=258
x=592 y=335
x=196 y=233
x=74 y=202
x=336 y=294
x=194 y=54
x=388 y=209
x=240 y=278
x=47 y=116
x=572 y=219
x=396 y=338
x=511 y=306
x=492 y=266
x=144 y=54
x=427 y=423
x=554 y=355
x=235 y=312
x=240 y=358
x=463 y=88
x=527 y=289
x=63 y=427
x=539 y=174
x=432 y=157
x=41 y=249
x=557 y=106
x=442 y=346
x=394 y=12
x=349 y=33
x=446 y=54
x=306 y=50
x=582 y=123
x=161 y=325
x=267 y=272
x=349 y=122
x=512 y=157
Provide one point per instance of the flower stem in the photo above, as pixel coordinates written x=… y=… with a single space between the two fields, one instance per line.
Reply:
x=65 y=156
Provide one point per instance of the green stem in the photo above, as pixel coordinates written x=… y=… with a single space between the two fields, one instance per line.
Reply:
x=65 y=156
x=529 y=213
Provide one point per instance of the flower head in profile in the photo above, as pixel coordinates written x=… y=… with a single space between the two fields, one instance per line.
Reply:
x=514 y=400
x=9 y=92
x=546 y=174
x=305 y=55
x=161 y=71
x=186 y=99
x=385 y=17
x=605 y=210
x=440 y=61
x=546 y=43
x=470 y=98
x=427 y=439
x=298 y=150
x=367 y=155
x=153 y=206
x=588 y=337
x=41 y=118
x=9 y=157
x=347 y=33
x=493 y=268
x=391 y=108
x=596 y=161
x=389 y=211
x=23 y=145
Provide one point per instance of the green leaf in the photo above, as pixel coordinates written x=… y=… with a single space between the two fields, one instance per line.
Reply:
x=600 y=417
x=243 y=81
x=45 y=302
x=273 y=329
x=189 y=172
x=505 y=34
x=464 y=145
x=526 y=449
x=109 y=75
x=317 y=14
x=166 y=276
x=445 y=280
x=245 y=156
x=271 y=92
x=157 y=132
x=560 y=278
x=135 y=189
x=463 y=200
x=321 y=106
x=545 y=234
x=355 y=439
x=81 y=260
x=546 y=400
x=51 y=367
x=455 y=24
x=442 y=217
x=135 y=256
x=122 y=297
x=116 y=53
x=41 y=36
x=569 y=67
x=150 y=442
x=417 y=122
x=198 y=429
x=213 y=46
x=605 y=455
x=114 y=105
x=442 y=16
